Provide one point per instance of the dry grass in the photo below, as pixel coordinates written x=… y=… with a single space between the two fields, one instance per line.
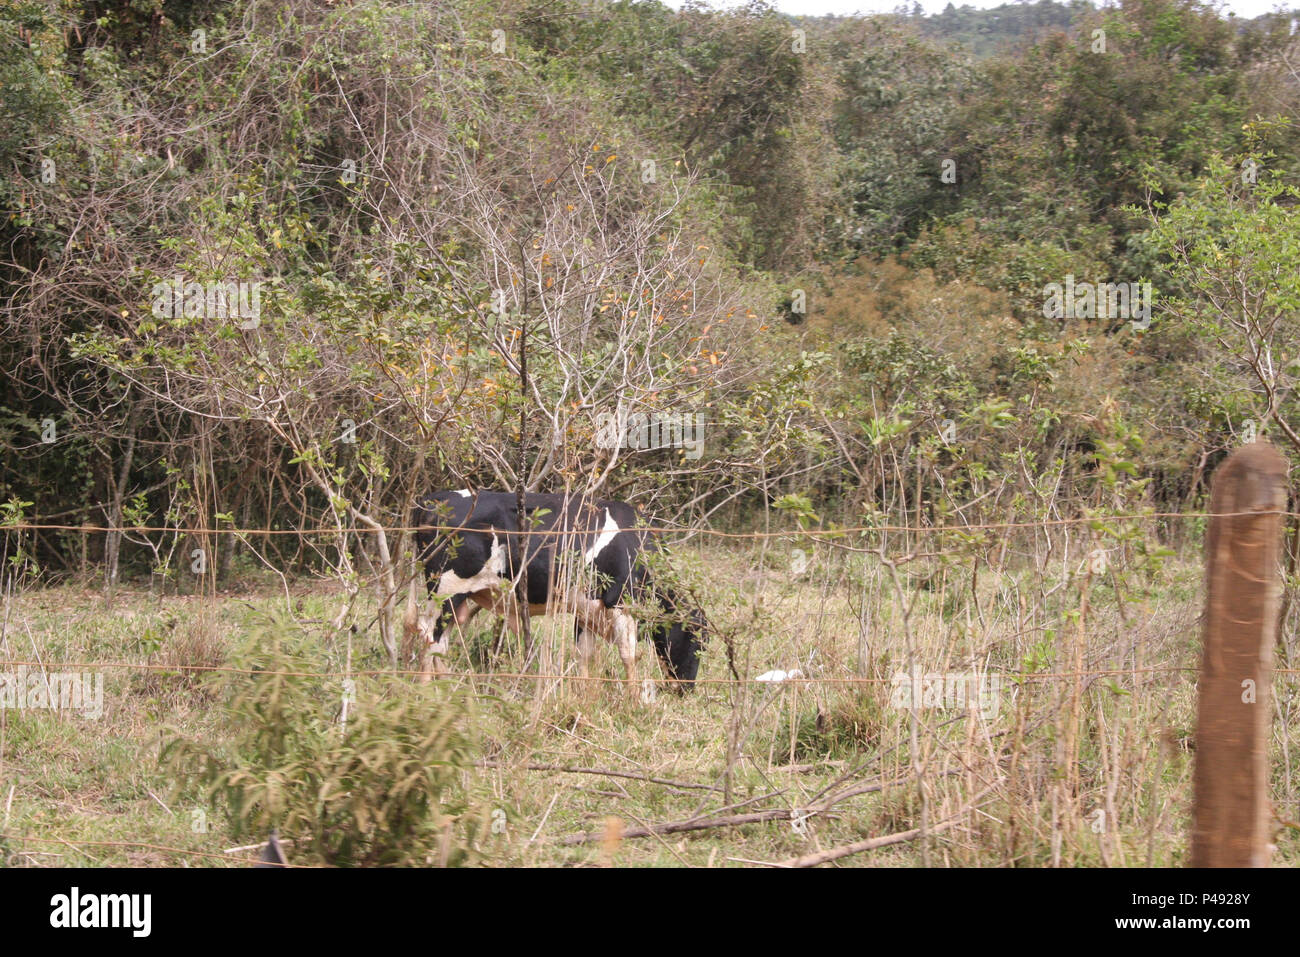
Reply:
x=1037 y=778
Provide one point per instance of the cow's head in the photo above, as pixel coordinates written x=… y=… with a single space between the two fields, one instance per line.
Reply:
x=678 y=639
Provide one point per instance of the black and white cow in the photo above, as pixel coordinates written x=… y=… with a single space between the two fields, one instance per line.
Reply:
x=584 y=558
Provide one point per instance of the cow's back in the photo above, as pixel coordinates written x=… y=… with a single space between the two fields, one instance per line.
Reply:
x=595 y=535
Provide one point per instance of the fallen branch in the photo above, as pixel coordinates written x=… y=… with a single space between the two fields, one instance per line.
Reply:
x=871 y=843
x=731 y=820
x=601 y=771
x=255 y=847
x=703 y=823
x=857 y=847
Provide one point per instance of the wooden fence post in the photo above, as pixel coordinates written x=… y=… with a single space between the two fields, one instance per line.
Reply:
x=1230 y=821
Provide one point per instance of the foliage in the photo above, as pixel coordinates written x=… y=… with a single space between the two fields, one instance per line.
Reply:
x=634 y=193
x=384 y=789
x=1232 y=245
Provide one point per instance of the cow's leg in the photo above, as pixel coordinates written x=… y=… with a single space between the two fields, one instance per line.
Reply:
x=490 y=600
x=590 y=618
x=457 y=609
x=503 y=605
x=623 y=626
x=586 y=641
x=614 y=625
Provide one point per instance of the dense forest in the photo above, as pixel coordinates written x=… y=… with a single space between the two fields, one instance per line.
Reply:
x=277 y=264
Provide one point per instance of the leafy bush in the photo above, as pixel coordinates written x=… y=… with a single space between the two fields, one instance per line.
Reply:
x=382 y=789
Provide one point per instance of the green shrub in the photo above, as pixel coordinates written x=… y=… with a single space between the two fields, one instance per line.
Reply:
x=384 y=789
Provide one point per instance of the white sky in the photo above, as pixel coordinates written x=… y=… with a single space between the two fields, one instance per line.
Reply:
x=1242 y=8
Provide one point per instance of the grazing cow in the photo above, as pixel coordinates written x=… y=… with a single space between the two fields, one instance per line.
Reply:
x=584 y=558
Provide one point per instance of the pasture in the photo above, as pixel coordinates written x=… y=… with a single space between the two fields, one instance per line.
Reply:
x=999 y=786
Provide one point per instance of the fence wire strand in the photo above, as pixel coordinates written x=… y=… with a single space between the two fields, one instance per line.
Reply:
x=650 y=529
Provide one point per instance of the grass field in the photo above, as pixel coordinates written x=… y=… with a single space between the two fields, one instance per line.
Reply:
x=1012 y=780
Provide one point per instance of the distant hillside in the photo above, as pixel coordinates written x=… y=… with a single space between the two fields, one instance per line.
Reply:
x=986 y=32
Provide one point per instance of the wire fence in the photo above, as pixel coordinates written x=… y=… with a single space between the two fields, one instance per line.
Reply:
x=650 y=529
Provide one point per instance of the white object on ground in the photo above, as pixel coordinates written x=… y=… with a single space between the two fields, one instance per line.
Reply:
x=779 y=675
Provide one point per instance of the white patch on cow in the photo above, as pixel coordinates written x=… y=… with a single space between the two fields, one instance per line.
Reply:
x=489 y=576
x=462 y=492
x=427 y=625
x=606 y=536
